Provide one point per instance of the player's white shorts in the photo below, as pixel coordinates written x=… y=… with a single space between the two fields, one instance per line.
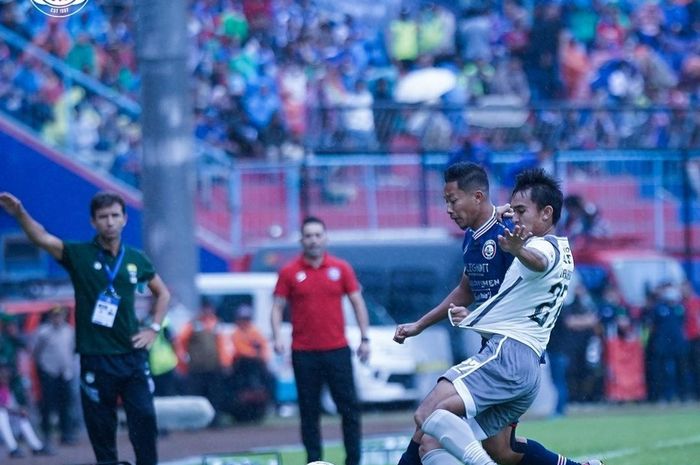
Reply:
x=498 y=384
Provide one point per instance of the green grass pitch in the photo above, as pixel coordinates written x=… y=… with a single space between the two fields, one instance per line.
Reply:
x=625 y=435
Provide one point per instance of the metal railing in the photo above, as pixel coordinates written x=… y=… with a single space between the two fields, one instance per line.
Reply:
x=647 y=197
x=563 y=126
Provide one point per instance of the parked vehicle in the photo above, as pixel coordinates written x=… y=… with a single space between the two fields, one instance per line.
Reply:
x=634 y=271
x=394 y=373
x=405 y=271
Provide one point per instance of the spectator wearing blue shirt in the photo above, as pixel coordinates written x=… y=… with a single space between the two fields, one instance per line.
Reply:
x=667 y=347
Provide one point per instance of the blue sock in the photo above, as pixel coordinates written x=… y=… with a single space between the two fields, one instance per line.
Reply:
x=536 y=454
x=410 y=457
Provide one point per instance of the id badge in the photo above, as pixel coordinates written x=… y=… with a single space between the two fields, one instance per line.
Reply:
x=105 y=310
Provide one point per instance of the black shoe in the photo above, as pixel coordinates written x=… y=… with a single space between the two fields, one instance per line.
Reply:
x=16 y=454
x=69 y=441
x=46 y=450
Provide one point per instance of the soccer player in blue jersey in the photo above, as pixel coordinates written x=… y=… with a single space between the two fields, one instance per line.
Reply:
x=466 y=193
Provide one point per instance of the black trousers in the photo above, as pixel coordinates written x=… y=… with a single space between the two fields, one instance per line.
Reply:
x=56 y=398
x=313 y=370
x=103 y=380
x=209 y=384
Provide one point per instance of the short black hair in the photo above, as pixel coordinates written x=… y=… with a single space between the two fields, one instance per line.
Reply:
x=468 y=176
x=105 y=199
x=312 y=219
x=544 y=190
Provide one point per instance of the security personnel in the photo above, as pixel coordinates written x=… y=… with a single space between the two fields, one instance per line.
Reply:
x=109 y=338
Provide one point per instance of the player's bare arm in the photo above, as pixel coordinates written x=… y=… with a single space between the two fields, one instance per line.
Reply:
x=461 y=294
x=278 y=305
x=514 y=242
x=33 y=229
x=161 y=296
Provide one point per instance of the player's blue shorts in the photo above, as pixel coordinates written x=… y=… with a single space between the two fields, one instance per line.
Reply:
x=498 y=384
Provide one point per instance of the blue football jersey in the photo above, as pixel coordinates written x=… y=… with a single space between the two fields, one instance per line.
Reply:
x=485 y=264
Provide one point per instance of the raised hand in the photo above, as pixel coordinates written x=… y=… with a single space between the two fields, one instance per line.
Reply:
x=10 y=203
x=513 y=241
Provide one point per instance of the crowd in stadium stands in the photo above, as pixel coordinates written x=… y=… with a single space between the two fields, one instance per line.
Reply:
x=602 y=348
x=258 y=67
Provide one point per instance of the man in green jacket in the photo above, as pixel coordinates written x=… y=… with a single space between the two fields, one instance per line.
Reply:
x=111 y=341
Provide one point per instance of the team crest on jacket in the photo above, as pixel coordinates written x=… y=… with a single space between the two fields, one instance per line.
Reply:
x=488 y=250
x=333 y=273
x=300 y=276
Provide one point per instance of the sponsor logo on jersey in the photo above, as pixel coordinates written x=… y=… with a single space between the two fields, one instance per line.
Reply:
x=476 y=268
x=481 y=295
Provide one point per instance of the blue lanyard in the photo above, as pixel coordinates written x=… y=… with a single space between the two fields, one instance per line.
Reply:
x=111 y=274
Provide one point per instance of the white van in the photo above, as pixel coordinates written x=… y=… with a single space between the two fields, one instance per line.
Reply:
x=394 y=373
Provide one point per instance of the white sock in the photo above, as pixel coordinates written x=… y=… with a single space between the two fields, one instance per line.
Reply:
x=456 y=437
x=439 y=457
x=475 y=454
x=6 y=430
x=29 y=435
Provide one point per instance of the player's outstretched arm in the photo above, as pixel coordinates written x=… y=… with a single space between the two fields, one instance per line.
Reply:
x=33 y=229
x=514 y=243
x=461 y=295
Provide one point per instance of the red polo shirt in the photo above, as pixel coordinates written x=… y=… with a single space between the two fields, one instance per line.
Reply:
x=315 y=297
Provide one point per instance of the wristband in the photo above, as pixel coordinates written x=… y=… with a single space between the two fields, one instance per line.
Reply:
x=365 y=339
x=155 y=327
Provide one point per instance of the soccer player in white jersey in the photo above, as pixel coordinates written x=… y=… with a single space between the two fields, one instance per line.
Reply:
x=466 y=193
x=495 y=387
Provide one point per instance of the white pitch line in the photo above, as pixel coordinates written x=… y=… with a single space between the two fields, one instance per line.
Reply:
x=665 y=444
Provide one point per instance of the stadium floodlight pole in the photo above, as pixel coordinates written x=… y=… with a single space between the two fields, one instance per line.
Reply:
x=168 y=173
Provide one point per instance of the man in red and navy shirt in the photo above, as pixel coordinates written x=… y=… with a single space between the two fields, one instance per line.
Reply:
x=314 y=285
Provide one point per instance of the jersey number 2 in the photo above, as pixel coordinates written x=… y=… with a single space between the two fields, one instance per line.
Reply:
x=542 y=311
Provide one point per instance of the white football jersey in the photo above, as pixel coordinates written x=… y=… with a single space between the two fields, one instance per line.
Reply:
x=528 y=303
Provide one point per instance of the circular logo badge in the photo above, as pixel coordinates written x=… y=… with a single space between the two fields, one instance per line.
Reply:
x=333 y=273
x=489 y=249
x=59 y=8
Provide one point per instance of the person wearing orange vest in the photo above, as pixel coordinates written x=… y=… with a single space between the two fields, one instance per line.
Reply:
x=248 y=341
x=199 y=348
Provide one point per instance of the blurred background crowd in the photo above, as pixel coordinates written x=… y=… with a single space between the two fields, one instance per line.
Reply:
x=260 y=68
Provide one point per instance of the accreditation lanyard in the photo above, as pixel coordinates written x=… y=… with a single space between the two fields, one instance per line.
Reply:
x=112 y=274
x=105 y=311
